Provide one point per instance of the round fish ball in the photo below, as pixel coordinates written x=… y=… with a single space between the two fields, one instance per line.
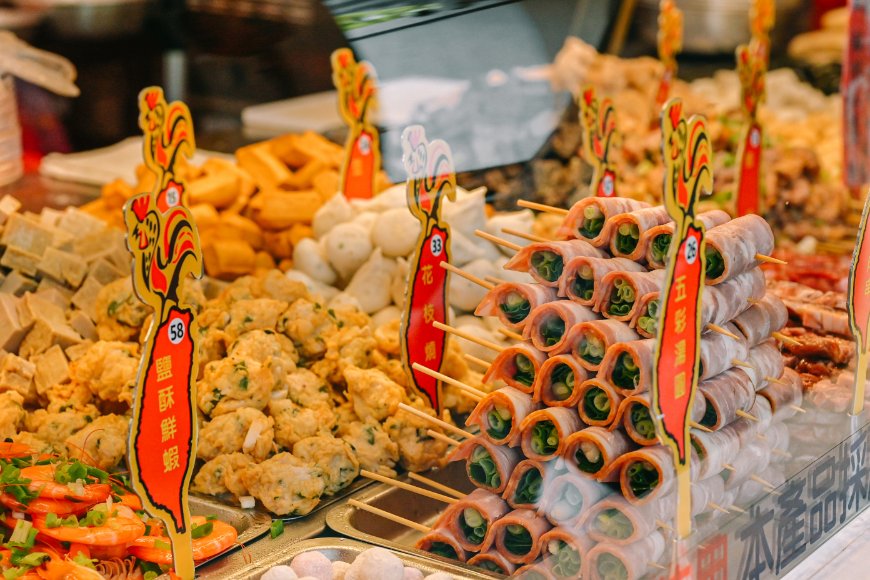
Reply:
x=463 y=249
x=521 y=221
x=371 y=283
x=396 y=231
x=395 y=196
x=413 y=574
x=339 y=570
x=312 y=564
x=310 y=258
x=511 y=275
x=335 y=211
x=469 y=320
x=385 y=315
x=376 y=564
x=475 y=349
x=348 y=246
x=343 y=299
x=467 y=213
x=366 y=220
x=466 y=295
x=279 y=573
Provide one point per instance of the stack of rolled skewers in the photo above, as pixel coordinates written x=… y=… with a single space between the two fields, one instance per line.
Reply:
x=572 y=479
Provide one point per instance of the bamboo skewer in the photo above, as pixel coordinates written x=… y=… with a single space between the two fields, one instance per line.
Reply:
x=775 y=380
x=495 y=280
x=699 y=427
x=796 y=408
x=785 y=339
x=737 y=509
x=496 y=240
x=541 y=207
x=780 y=452
x=770 y=260
x=387 y=515
x=657 y=566
x=511 y=334
x=478 y=361
x=742 y=363
x=470 y=277
x=408 y=487
x=720 y=330
x=761 y=481
x=467 y=336
x=728 y=466
x=476 y=393
x=442 y=437
x=718 y=508
x=525 y=235
x=434 y=484
x=745 y=415
x=664 y=525
x=436 y=421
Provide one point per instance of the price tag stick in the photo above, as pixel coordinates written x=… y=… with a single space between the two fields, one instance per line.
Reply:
x=686 y=150
x=431 y=177
x=163 y=239
x=598 y=120
x=670 y=42
x=855 y=83
x=858 y=306
x=356 y=83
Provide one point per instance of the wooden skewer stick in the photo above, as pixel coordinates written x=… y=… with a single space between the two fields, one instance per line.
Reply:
x=742 y=363
x=761 y=481
x=525 y=235
x=785 y=339
x=511 y=334
x=780 y=452
x=408 y=487
x=728 y=466
x=470 y=277
x=775 y=380
x=387 y=515
x=436 y=421
x=664 y=525
x=699 y=427
x=737 y=509
x=745 y=415
x=478 y=361
x=761 y=436
x=467 y=336
x=496 y=240
x=495 y=280
x=442 y=437
x=720 y=330
x=477 y=393
x=770 y=260
x=718 y=508
x=434 y=484
x=657 y=566
x=796 y=408
x=541 y=207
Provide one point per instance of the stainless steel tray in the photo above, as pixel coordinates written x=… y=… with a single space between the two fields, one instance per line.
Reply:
x=361 y=525
x=346 y=550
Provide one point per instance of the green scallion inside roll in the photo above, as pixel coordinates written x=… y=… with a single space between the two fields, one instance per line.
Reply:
x=611 y=568
x=499 y=422
x=490 y=566
x=596 y=404
x=613 y=524
x=562 y=382
x=552 y=330
x=627 y=237
x=621 y=298
x=529 y=487
x=583 y=284
x=443 y=550
x=660 y=246
x=649 y=321
x=515 y=307
x=517 y=540
x=548 y=265
x=566 y=560
x=643 y=478
x=593 y=221
x=482 y=468
x=626 y=373
x=591 y=348
x=545 y=438
x=715 y=263
x=642 y=421
x=588 y=457
x=473 y=526
x=525 y=370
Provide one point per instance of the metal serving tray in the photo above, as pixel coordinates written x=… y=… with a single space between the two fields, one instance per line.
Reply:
x=346 y=550
x=361 y=525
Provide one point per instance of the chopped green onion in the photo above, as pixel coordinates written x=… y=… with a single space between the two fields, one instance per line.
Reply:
x=515 y=307
x=591 y=349
x=643 y=478
x=547 y=264
x=482 y=469
x=593 y=221
x=583 y=285
x=530 y=487
x=715 y=263
x=627 y=237
x=473 y=526
x=276 y=529
x=660 y=246
x=642 y=421
x=552 y=330
x=525 y=370
x=517 y=540
x=443 y=550
x=562 y=382
x=545 y=438
x=611 y=568
x=589 y=458
x=596 y=404
x=499 y=422
x=626 y=373
x=614 y=524
x=567 y=559
x=202 y=530
x=621 y=298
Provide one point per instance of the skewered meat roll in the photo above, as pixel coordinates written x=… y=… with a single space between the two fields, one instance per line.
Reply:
x=511 y=302
x=545 y=431
x=517 y=366
x=442 y=542
x=588 y=341
x=471 y=518
x=732 y=246
x=599 y=403
x=586 y=219
x=569 y=496
x=488 y=466
x=657 y=240
x=581 y=278
x=649 y=473
x=628 y=366
x=620 y=292
x=548 y=324
x=492 y=561
x=564 y=550
x=635 y=414
x=557 y=383
x=631 y=562
x=626 y=231
x=500 y=413
x=527 y=483
x=517 y=536
x=545 y=261
x=594 y=449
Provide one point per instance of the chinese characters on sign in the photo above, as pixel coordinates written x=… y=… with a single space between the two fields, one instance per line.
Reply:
x=356 y=83
x=858 y=306
x=430 y=178
x=686 y=150
x=670 y=42
x=164 y=242
x=598 y=120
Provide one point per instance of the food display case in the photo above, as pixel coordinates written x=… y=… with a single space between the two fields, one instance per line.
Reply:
x=484 y=289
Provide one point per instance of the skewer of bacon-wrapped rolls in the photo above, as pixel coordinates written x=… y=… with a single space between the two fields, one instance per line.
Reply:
x=548 y=324
x=752 y=459
x=629 y=562
x=766 y=361
x=517 y=366
x=557 y=382
x=588 y=341
x=545 y=261
x=471 y=518
x=493 y=561
x=731 y=247
x=599 y=403
x=718 y=352
x=628 y=366
x=527 y=483
x=564 y=550
x=594 y=449
x=636 y=417
x=488 y=466
x=649 y=473
x=620 y=292
x=512 y=302
x=545 y=431
x=785 y=395
x=726 y=393
x=626 y=230
x=587 y=218
x=517 y=536
x=569 y=496
x=718 y=448
x=582 y=275
x=440 y=541
x=759 y=321
x=616 y=521
x=499 y=414
x=657 y=240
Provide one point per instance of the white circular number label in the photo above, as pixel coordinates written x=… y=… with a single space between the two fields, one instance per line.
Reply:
x=176 y=330
x=172 y=197
x=608 y=186
x=754 y=138
x=436 y=245
x=691 y=251
x=364 y=144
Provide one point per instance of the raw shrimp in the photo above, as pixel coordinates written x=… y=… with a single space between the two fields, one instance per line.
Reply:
x=222 y=536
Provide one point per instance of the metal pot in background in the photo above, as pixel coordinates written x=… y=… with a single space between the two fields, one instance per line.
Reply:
x=719 y=26
x=92 y=19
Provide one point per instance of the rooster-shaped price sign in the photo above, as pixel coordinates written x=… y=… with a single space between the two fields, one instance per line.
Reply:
x=356 y=83
x=670 y=42
x=598 y=120
x=855 y=83
x=164 y=242
x=686 y=151
x=762 y=15
x=751 y=68
x=431 y=177
x=859 y=307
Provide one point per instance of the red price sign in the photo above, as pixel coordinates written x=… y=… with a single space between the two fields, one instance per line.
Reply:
x=751 y=68
x=859 y=306
x=670 y=42
x=598 y=120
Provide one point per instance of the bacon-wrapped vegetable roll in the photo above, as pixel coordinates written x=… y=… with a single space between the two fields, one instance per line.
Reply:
x=599 y=403
x=646 y=316
x=726 y=393
x=657 y=240
x=621 y=291
x=732 y=246
x=580 y=280
x=564 y=552
x=556 y=385
x=784 y=395
x=763 y=318
x=545 y=261
x=488 y=466
x=548 y=324
x=545 y=431
x=631 y=562
x=628 y=366
x=626 y=230
x=594 y=449
x=636 y=417
x=614 y=520
x=716 y=449
x=511 y=302
x=718 y=352
x=649 y=473
x=587 y=217
x=492 y=561
x=752 y=459
x=470 y=518
x=517 y=535
x=533 y=572
x=527 y=483
x=766 y=360
x=442 y=542
x=499 y=414
x=569 y=496
x=517 y=366
x=588 y=341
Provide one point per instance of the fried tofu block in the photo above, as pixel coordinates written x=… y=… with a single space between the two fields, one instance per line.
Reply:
x=21 y=260
x=279 y=210
x=234 y=226
x=16 y=374
x=12 y=329
x=218 y=188
x=262 y=165
x=228 y=258
x=17 y=284
x=86 y=298
x=63 y=267
x=46 y=333
x=52 y=367
x=26 y=235
x=8 y=206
